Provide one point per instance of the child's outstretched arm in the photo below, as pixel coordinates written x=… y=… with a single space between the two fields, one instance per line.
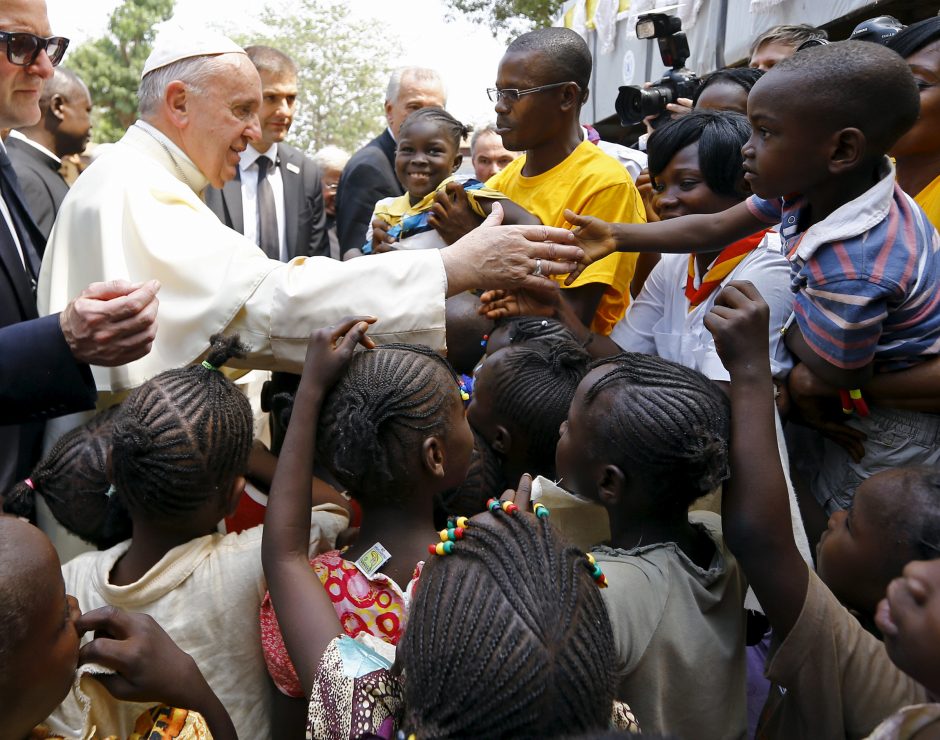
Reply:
x=755 y=506
x=306 y=616
x=693 y=233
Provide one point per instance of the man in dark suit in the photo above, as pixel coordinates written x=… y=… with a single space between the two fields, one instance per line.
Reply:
x=36 y=151
x=370 y=174
x=276 y=198
x=44 y=361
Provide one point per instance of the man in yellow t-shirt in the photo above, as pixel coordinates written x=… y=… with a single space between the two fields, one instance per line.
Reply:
x=541 y=85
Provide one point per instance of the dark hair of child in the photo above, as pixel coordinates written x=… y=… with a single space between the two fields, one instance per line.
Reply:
x=508 y=636
x=454 y=129
x=389 y=399
x=564 y=52
x=664 y=422
x=532 y=387
x=720 y=136
x=73 y=481
x=485 y=480
x=183 y=437
x=917 y=525
x=915 y=37
x=516 y=329
x=743 y=77
x=855 y=84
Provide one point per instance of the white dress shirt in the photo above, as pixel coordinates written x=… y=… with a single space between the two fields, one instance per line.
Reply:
x=249 y=175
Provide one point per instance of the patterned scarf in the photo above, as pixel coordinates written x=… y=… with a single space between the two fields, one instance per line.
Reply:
x=730 y=257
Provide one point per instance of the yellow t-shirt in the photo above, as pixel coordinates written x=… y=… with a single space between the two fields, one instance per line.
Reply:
x=595 y=184
x=929 y=200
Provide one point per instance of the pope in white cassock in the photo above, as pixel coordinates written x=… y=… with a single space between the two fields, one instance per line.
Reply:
x=137 y=214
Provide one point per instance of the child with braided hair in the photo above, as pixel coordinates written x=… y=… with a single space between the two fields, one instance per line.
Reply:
x=426 y=160
x=393 y=433
x=180 y=445
x=73 y=481
x=521 y=394
x=507 y=635
x=645 y=437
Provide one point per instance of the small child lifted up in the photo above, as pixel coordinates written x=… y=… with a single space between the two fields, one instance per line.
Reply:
x=865 y=260
x=427 y=157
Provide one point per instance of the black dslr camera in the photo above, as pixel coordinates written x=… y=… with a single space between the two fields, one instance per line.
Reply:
x=636 y=103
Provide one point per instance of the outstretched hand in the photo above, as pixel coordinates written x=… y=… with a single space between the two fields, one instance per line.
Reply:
x=498 y=304
x=330 y=350
x=509 y=257
x=594 y=236
x=112 y=323
x=740 y=324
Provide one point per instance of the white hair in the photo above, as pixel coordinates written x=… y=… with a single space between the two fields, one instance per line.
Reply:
x=489 y=128
x=421 y=74
x=194 y=72
x=331 y=158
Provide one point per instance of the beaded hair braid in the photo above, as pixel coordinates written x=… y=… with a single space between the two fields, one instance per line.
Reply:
x=508 y=637
x=377 y=414
x=664 y=420
x=183 y=437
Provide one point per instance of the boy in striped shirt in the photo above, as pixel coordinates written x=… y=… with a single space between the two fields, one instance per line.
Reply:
x=865 y=260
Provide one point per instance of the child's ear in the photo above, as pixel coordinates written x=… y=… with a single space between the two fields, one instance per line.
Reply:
x=502 y=442
x=432 y=456
x=849 y=149
x=612 y=486
x=458 y=160
x=234 y=495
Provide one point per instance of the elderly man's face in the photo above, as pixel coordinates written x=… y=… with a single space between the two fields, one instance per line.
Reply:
x=413 y=94
x=20 y=86
x=223 y=119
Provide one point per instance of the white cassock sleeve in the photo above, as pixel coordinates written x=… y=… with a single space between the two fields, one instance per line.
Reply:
x=135 y=215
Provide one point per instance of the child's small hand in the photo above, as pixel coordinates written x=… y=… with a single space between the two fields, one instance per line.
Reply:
x=496 y=304
x=329 y=350
x=521 y=497
x=594 y=236
x=451 y=214
x=381 y=241
x=149 y=665
x=740 y=322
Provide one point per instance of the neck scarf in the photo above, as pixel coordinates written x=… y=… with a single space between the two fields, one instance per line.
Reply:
x=729 y=258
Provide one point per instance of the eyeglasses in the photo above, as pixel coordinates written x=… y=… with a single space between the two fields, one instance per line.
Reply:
x=23 y=48
x=512 y=94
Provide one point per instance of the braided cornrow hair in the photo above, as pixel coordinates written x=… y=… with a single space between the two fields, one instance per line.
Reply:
x=532 y=389
x=484 y=481
x=663 y=421
x=377 y=415
x=454 y=129
x=518 y=329
x=73 y=480
x=183 y=437
x=507 y=637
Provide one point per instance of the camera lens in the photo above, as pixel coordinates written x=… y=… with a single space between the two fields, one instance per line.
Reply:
x=633 y=104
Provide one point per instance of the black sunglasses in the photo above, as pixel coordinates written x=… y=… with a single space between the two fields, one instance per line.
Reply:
x=23 y=48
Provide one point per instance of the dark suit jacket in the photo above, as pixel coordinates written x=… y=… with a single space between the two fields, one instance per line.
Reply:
x=305 y=227
x=40 y=182
x=368 y=177
x=39 y=377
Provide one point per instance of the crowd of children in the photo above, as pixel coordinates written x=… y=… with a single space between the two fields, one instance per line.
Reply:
x=436 y=596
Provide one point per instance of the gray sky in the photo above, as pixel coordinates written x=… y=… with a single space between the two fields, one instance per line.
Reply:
x=465 y=54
